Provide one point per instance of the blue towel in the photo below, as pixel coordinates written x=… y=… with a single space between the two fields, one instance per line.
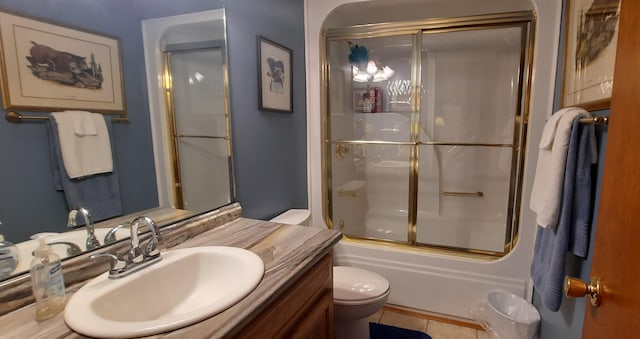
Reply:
x=572 y=233
x=583 y=194
x=100 y=194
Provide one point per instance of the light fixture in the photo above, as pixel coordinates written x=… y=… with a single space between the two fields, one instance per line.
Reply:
x=379 y=77
x=375 y=72
x=199 y=77
x=383 y=74
x=361 y=77
x=388 y=72
x=372 y=68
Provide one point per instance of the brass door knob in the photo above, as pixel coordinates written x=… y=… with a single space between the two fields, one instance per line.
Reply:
x=576 y=288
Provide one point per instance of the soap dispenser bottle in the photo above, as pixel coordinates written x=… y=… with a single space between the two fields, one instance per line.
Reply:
x=47 y=282
x=9 y=258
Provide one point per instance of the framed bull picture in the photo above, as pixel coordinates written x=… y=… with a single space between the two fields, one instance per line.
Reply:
x=275 y=76
x=47 y=67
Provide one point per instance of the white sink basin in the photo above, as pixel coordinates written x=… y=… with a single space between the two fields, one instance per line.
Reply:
x=186 y=286
x=78 y=237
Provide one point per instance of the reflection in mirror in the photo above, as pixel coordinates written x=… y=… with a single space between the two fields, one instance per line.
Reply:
x=188 y=52
x=172 y=157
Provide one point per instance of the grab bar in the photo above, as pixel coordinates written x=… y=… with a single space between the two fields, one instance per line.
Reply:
x=462 y=194
x=342 y=193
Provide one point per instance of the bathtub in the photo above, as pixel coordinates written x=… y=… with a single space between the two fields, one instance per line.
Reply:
x=436 y=282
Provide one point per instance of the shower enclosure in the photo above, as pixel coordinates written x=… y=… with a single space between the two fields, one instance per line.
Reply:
x=188 y=89
x=424 y=130
x=199 y=125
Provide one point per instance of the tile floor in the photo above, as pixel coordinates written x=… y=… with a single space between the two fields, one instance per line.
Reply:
x=436 y=329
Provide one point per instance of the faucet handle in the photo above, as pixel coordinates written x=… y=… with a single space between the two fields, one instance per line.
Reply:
x=135 y=255
x=110 y=237
x=115 y=262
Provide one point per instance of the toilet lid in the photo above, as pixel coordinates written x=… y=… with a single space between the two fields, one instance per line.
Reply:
x=351 y=283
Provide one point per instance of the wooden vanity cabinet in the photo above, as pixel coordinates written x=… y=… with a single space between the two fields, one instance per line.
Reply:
x=305 y=310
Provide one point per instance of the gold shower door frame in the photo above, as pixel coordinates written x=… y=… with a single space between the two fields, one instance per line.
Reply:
x=524 y=20
x=173 y=131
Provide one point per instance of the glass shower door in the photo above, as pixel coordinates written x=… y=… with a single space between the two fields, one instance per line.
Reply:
x=200 y=132
x=424 y=131
x=371 y=114
x=469 y=108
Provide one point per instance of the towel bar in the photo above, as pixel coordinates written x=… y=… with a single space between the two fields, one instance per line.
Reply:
x=16 y=117
x=597 y=120
x=462 y=194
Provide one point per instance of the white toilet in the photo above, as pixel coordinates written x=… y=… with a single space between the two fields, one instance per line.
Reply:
x=357 y=293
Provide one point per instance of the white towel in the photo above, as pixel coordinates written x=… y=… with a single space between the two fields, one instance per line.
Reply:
x=552 y=158
x=83 y=123
x=87 y=154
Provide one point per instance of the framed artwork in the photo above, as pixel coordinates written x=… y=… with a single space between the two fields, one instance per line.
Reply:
x=47 y=67
x=274 y=76
x=362 y=100
x=590 y=51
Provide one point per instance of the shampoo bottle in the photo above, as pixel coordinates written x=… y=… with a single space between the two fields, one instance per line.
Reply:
x=47 y=282
x=9 y=258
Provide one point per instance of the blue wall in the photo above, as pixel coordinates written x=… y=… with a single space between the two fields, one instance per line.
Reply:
x=28 y=202
x=269 y=149
x=567 y=322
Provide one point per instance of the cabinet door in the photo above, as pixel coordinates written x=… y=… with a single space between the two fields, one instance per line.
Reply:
x=318 y=323
x=305 y=310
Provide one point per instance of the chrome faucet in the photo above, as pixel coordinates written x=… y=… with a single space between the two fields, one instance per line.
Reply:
x=110 y=237
x=136 y=254
x=137 y=258
x=92 y=242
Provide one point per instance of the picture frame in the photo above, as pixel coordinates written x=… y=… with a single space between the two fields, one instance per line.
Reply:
x=274 y=76
x=591 y=34
x=362 y=100
x=51 y=67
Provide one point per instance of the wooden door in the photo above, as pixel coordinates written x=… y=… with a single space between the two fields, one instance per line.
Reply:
x=616 y=259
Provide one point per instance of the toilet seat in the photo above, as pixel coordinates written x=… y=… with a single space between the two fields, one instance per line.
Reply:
x=352 y=285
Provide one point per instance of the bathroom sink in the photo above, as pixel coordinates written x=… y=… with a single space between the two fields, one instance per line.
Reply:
x=186 y=286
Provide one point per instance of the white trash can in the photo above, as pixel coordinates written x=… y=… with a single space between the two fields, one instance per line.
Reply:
x=507 y=316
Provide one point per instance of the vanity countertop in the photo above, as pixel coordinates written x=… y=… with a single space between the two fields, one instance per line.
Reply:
x=288 y=251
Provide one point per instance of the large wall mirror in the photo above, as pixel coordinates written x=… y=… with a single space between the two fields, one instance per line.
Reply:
x=173 y=156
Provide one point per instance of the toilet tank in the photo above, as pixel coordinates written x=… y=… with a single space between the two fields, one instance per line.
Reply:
x=294 y=217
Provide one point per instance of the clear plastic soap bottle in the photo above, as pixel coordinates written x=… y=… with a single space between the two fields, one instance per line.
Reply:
x=47 y=282
x=9 y=258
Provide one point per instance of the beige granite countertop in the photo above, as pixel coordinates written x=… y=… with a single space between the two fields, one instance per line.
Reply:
x=288 y=251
